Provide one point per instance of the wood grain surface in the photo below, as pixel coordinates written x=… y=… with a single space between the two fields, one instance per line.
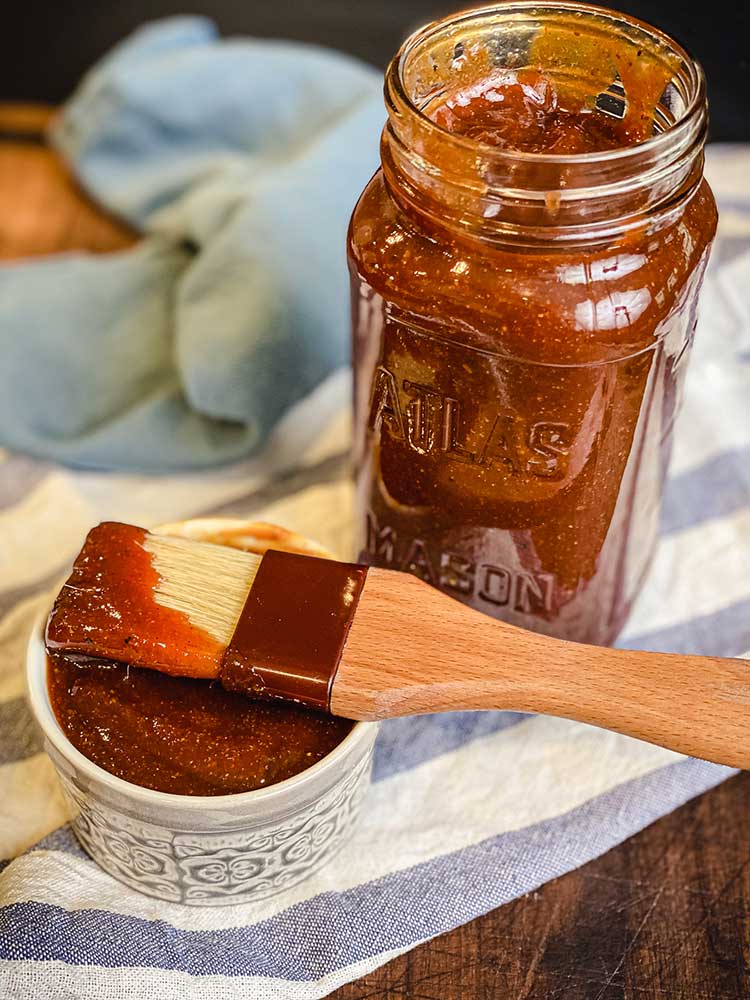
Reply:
x=665 y=916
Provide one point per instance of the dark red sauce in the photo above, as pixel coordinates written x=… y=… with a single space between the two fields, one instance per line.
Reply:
x=184 y=735
x=107 y=608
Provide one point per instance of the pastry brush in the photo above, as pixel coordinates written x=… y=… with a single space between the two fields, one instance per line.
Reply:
x=368 y=643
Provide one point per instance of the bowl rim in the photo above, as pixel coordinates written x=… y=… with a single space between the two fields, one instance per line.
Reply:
x=41 y=708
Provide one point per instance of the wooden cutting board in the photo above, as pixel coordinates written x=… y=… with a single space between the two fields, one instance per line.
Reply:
x=42 y=209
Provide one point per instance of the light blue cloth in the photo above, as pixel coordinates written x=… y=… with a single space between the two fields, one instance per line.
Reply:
x=241 y=161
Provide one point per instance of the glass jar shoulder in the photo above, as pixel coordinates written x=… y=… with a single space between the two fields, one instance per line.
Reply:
x=572 y=305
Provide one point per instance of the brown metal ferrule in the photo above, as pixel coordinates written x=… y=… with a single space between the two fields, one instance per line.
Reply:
x=293 y=628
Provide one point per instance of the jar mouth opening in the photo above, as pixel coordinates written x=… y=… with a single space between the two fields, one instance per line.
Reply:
x=592 y=58
x=399 y=100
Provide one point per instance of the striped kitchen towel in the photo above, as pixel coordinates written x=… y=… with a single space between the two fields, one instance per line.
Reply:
x=467 y=811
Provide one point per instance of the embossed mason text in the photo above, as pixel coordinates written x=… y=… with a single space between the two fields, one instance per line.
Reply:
x=489 y=582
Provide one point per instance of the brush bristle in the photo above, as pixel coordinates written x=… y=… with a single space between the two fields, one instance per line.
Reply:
x=208 y=583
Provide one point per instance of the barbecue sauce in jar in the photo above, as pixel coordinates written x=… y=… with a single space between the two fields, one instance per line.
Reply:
x=525 y=270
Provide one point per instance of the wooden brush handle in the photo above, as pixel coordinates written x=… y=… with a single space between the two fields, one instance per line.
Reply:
x=413 y=650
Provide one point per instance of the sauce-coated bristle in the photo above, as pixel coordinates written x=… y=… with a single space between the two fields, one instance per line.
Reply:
x=208 y=583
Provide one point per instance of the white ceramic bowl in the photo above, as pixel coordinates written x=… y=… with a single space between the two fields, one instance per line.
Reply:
x=206 y=850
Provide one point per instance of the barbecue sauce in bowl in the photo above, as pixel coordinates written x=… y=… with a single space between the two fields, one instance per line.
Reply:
x=183 y=735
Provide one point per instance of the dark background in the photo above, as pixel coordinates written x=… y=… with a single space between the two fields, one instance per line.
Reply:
x=49 y=45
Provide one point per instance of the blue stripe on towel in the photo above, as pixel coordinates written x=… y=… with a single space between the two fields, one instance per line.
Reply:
x=717 y=488
x=725 y=632
x=335 y=930
x=405 y=743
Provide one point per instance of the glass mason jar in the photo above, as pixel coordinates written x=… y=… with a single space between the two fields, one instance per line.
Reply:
x=522 y=321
